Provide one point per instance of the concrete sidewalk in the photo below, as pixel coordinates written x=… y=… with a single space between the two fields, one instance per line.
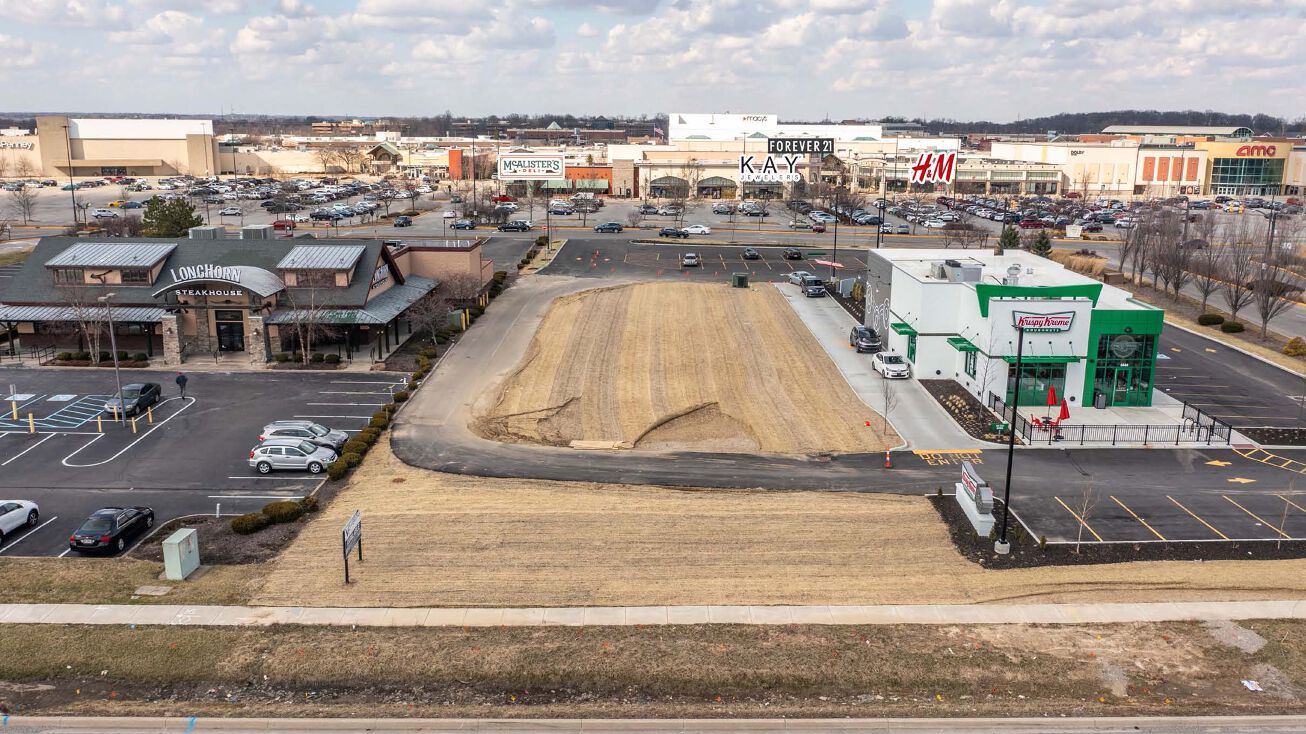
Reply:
x=923 y=424
x=244 y=616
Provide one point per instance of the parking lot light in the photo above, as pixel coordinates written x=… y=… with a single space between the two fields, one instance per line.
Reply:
x=120 y=410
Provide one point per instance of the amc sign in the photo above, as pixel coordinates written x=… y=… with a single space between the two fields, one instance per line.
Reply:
x=1043 y=322
x=531 y=168
x=1257 y=151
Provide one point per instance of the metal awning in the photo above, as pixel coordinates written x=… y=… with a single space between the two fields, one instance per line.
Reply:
x=962 y=344
x=717 y=181
x=904 y=329
x=133 y=314
x=380 y=310
x=597 y=184
x=1011 y=359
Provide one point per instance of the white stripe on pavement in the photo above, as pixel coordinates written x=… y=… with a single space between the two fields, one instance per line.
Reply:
x=363 y=417
x=11 y=543
x=29 y=448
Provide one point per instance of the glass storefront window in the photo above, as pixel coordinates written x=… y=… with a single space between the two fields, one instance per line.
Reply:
x=1035 y=379
x=1248 y=175
x=1124 y=368
x=971 y=360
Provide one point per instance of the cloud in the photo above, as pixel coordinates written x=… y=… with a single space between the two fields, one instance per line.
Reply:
x=64 y=13
x=585 y=30
x=17 y=53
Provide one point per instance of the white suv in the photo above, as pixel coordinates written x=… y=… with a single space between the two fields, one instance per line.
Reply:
x=104 y=214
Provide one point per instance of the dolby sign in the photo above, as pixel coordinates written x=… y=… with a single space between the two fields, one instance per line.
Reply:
x=769 y=169
x=801 y=146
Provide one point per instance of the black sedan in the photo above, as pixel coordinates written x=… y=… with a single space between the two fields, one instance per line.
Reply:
x=608 y=227
x=110 y=529
x=751 y=254
x=135 y=398
x=403 y=221
x=515 y=226
x=673 y=232
x=792 y=254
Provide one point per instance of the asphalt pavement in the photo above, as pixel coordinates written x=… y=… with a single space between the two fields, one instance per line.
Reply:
x=188 y=457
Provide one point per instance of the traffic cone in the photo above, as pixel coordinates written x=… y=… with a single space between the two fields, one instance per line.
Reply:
x=888 y=464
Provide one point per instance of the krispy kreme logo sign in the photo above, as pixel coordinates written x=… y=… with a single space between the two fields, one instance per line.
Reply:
x=1043 y=322
x=1251 y=151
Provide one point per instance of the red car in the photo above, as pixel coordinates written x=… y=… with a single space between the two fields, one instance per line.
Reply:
x=283 y=224
x=1092 y=227
x=1031 y=224
x=818 y=227
x=502 y=199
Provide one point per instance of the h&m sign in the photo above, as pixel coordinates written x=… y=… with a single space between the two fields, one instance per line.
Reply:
x=934 y=168
x=1043 y=322
x=206 y=272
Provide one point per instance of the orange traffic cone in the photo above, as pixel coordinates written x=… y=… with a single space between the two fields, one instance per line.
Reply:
x=888 y=464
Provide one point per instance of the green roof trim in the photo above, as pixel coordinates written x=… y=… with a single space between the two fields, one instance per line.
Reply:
x=904 y=329
x=962 y=344
x=1011 y=359
x=986 y=291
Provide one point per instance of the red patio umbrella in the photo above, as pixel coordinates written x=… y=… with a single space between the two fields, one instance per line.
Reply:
x=1052 y=399
x=1065 y=411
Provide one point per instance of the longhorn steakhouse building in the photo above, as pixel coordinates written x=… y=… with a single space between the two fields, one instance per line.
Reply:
x=197 y=297
x=953 y=314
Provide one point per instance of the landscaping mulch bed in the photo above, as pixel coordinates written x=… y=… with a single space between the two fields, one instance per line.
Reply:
x=404 y=359
x=89 y=363
x=966 y=409
x=309 y=366
x=1026 y=553
x=1275 y=436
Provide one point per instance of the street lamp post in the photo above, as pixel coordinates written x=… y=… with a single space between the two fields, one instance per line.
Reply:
x=1002 y=547
x=121 y=413
x=72 y=187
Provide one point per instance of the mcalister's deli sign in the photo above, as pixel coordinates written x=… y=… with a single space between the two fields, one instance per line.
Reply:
x=1042 y=322
x=532 y=168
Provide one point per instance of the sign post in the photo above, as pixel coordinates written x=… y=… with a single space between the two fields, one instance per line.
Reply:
x=350 y=536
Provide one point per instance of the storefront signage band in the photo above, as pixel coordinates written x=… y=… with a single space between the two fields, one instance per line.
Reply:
x=206 y=272
x=531 y=168
x=1043 y=322
x=767 y=170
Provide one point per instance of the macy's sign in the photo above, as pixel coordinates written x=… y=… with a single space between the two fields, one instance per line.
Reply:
x=1043 y=322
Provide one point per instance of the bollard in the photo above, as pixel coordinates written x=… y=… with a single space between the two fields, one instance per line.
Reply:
x=887 y=463
x=149 y=413
x=13 y=408
x=133 y=424
x=31 y=424
x=99 y=424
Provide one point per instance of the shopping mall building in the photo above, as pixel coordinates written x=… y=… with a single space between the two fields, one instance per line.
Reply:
x=953 y=314
x=92 y=147
x=247 y=298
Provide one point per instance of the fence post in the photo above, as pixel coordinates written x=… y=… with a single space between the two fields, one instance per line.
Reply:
x=1145 y=427
x=1113 y=433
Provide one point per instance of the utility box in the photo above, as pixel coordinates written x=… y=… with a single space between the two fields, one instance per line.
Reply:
x=181 y=554
x=739 y=280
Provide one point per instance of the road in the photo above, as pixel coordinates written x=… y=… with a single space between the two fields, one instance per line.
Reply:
x=1034 y=725
x=1227 y=384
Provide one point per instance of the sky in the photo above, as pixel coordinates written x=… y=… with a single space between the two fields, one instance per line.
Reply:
x=803 y=59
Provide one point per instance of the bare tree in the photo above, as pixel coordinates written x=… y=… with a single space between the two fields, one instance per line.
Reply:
x=634 y=217
x=6 y=163
x=1087 y=503
x=326 y=156
x=128 y=226
x=350 y=157
x=1239 y=270
x=763 y=210
x=23 y=168
x=429 y=313
x=305 y=318
x=1275 y=290
x=965 y=234
x=87 y=316
x=459 y=289
x=888 y=400
x=22 y=203
x=1208 y=272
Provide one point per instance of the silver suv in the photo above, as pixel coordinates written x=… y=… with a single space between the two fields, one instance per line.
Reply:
x=290 y=453
x=306 y=430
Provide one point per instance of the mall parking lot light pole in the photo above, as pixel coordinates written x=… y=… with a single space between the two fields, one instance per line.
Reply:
x=120 y=414
x=1002 y=547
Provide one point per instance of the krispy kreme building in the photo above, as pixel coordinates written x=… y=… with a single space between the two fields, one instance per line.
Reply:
x=957 y=314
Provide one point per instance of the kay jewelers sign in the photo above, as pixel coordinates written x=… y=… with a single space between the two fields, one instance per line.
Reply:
x=532 y=168
x=1043 y=322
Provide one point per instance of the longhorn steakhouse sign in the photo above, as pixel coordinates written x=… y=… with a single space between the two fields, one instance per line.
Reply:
x=1043 y=322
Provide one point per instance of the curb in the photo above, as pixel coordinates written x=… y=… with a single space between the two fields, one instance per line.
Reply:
x=1234 y=347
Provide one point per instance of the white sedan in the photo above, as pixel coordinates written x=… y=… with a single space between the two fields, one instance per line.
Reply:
x=698 y=229
x=16 y=514
x=230 y=211
x=797 y=276
x=104 y=214
x=934 y=223
x=891 y=365
x=449 y=215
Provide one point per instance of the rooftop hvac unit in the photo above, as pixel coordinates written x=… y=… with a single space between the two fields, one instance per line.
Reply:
x=1013 y=276
x=256 y=232
x=207 y=233
x=938 y=270
x=970 y=273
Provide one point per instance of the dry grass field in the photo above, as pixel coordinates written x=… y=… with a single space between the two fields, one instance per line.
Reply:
x=680 y=365
x=446 y=540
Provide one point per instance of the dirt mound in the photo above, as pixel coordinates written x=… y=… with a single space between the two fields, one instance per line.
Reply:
x=681 y=366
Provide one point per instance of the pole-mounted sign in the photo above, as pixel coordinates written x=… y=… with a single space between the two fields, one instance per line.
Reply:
x=351 y=536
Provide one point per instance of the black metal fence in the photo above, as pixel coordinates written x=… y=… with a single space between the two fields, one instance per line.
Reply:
x=1197 y=427
x=33 y=356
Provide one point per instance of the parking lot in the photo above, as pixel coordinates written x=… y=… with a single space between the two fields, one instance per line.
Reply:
x=182 y=457
x=617 y=256
x=1223 y=382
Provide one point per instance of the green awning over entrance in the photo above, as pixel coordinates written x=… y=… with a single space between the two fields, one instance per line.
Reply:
x=986 y=291
x=962 y=344
x=590 y=183
x=904 y=329
x=1011 y=359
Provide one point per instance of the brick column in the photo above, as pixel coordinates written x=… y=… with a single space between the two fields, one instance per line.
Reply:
x=171 y=340
x=254 y=340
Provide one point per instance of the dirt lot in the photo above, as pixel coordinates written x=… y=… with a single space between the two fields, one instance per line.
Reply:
x=718 y=671
x=678 y=366
x=446 y=540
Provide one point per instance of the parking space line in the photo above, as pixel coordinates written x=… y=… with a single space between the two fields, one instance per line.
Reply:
x=1294 y=504
x=365 y=382
x=1208 y=525
x=348 y=404
x=187 y=402
x=1256 y=517
x=29 y=448
x=1073 y=514
x=12 y=543
x=66 y=552
x=255 y=496
x=334 y=416
x=1136 y=517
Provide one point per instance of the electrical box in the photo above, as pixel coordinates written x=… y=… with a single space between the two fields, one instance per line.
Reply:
x=181 y=554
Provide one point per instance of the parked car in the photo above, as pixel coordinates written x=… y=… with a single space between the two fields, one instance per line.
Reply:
x=891 y=365
x=647 y=209
x=104 y=214
x=561 y=211
x=934 y=223
x=751 y=254
x=403 y=221
x=818 y=228
x=698 y=229
x=290 y=453
x=791 y=253
x=609 y=227
x=463 y=224
x=283 y=224
x=670 y=211
x=516 y=225
x=108 y=530
x=306 y=431
x=229 y=211
x=134 y=399
x=903 y=229
x=812 y=287
x=799 y=224
x=17 y=514
x=797 y=276
x=690 y=260
x=1031 y=224
x=887 y=229
x=1124 y=223
x=1091 y=227
x=132 y=205
x=864 y=339
x=673 y=232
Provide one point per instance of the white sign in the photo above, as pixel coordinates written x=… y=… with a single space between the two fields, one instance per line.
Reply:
x=206 y=272
x=15 y=146
x=532 y=168
x=934 y=168
x=1043 y=322
x=206 y=293
x=767 y=170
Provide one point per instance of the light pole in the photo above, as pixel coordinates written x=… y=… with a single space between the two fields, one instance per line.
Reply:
x=120 y=414
x=1002 y=547
x=72 y=187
